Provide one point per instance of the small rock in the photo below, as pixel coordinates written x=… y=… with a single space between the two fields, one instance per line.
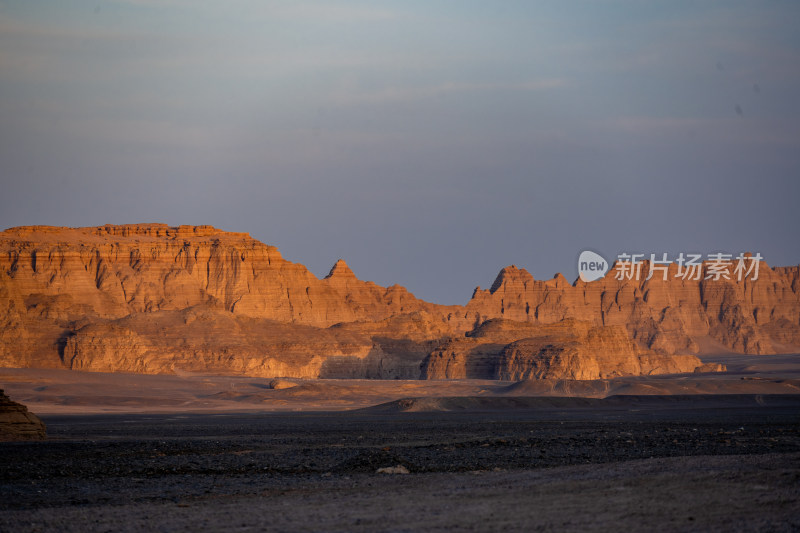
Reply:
x=399 y=469
x=277 y=384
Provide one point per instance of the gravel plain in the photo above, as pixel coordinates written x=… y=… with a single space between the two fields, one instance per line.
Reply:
x=726 y=463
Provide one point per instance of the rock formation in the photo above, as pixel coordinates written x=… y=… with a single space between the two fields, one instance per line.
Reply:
x=671 y=316
x=17 y=423
x=199 y=339
x=59 y=287
x=154 y=298
x=570 y=349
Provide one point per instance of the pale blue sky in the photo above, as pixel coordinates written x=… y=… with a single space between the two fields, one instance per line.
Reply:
x=427 y=143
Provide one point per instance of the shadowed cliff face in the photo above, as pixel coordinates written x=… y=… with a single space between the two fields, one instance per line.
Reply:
x=17 y=423
x=569 y=349
x=153 y=298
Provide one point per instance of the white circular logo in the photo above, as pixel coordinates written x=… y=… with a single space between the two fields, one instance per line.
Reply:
x=591 y=266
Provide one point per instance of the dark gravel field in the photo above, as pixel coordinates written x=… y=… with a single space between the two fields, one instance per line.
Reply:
x=488 y=468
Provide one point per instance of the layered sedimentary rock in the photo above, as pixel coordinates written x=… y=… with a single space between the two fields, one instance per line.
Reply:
x=667 y=316
x=206 y=340
x=570 y=349
x=153 y=298
x=112 y=271
x=17 y=423
x=56 y=282
x=215 y=341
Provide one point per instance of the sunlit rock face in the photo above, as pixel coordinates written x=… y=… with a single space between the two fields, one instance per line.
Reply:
x=156 y=299
x=668 y=316
x=77 y=297
x=112 y=271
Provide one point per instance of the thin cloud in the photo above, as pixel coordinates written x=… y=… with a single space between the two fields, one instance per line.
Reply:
x=299 y=11
x=729 y=130
x=392 y=95
x=329 y=12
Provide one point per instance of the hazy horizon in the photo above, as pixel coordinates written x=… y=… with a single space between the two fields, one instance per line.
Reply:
x=427 y=144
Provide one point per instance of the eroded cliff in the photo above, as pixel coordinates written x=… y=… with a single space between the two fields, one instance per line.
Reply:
x=668 y=316
x=62 y=287
x=569 y=349
x=153 y=298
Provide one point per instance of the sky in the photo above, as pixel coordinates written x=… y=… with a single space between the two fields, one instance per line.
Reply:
x=428 y=143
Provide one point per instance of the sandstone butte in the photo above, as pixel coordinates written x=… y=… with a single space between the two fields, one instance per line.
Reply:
x=151 y=298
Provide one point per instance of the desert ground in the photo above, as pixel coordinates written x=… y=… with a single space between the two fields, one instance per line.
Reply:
x=51 y=392
x=190 y=452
